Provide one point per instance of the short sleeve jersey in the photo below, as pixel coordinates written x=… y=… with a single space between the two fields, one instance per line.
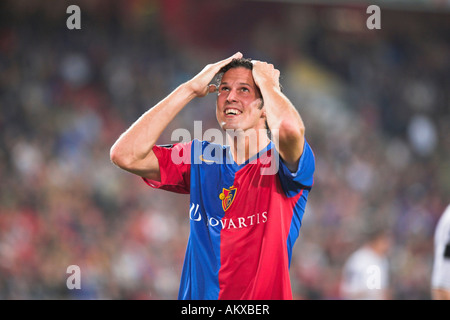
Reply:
x=244 y=219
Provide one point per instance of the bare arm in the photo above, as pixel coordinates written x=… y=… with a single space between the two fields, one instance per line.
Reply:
x=283 y=119
x=440 y=294
x=133 y=150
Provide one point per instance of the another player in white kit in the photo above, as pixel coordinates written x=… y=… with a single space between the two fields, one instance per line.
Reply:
x=440 y=280
x=365 y=274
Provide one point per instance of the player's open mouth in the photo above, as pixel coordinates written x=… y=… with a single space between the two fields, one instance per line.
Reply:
x=232 y=112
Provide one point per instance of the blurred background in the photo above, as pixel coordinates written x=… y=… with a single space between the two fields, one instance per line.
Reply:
x=376 y=104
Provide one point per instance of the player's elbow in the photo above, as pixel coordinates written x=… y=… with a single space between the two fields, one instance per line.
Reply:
x=291 y=131
x=119 y=158
x=114 y=155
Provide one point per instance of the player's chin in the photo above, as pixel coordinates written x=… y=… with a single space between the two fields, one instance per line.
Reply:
x=229 y=125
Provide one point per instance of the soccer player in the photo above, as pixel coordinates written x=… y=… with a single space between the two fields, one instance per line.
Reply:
x=365 y=275
x=440 y=280
x=247 y=197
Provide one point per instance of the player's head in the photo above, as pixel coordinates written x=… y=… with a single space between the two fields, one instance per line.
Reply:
x=378 y=236
x=236 y=63
x=239 y=102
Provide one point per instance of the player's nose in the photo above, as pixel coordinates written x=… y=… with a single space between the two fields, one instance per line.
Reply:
x=232 y=96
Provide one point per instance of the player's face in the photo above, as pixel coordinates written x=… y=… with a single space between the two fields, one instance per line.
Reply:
x=239 y=101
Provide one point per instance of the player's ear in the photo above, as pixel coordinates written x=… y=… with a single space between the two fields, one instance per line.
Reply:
x=261 y=107
x=261 y=103
x=263 y=114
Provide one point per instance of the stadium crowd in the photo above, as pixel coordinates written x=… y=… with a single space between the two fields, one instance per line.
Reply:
x=376 y=105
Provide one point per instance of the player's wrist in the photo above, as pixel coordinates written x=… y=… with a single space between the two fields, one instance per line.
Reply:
x=193 y=89
x=190 y=89
x=269 y=86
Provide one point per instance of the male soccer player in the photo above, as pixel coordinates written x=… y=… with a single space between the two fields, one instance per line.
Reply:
x=440 y=279
x=245 y=212
x=365 y=274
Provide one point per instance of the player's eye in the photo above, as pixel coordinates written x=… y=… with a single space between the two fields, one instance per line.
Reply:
x=244 y=89
x=224 y=88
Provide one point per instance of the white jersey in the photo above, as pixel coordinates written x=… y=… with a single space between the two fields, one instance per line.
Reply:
x=441 y=266
x=365 y=276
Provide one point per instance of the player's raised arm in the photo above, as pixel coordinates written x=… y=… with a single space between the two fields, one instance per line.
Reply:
x=133 y=150
x=283 y=119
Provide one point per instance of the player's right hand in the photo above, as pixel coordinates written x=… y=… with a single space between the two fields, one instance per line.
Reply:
x=200 y=84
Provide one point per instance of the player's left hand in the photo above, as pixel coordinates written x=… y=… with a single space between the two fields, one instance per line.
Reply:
x=265 y=74
x=200 y=86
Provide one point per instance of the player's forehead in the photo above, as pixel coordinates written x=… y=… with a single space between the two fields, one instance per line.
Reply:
x=238 y=75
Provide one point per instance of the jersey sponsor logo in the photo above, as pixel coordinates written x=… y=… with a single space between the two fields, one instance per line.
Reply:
x=227 y=196
x=227 y=223
x=205 y=160
x=244 y=222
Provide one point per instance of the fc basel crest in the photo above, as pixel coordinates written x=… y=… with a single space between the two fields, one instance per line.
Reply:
x=227 y=197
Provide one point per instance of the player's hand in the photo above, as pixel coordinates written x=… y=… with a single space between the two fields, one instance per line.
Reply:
x=200 y=84
x=265 y=74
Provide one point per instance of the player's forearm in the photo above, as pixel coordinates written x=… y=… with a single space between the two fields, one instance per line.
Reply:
x=136 y=143
x=285 y=123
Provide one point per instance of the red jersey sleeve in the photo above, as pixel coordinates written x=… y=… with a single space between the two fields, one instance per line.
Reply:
x=174 y=166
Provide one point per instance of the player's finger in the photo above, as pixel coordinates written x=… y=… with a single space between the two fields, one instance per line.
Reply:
x=263 y=63
x=224 y=62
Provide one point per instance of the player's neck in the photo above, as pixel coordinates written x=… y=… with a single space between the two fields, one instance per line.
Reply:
x=245 y=145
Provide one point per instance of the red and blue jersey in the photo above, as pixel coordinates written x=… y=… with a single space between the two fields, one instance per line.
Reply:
x=244 y=219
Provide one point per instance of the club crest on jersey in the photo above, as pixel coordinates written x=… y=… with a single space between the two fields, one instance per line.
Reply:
x=227 y=196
